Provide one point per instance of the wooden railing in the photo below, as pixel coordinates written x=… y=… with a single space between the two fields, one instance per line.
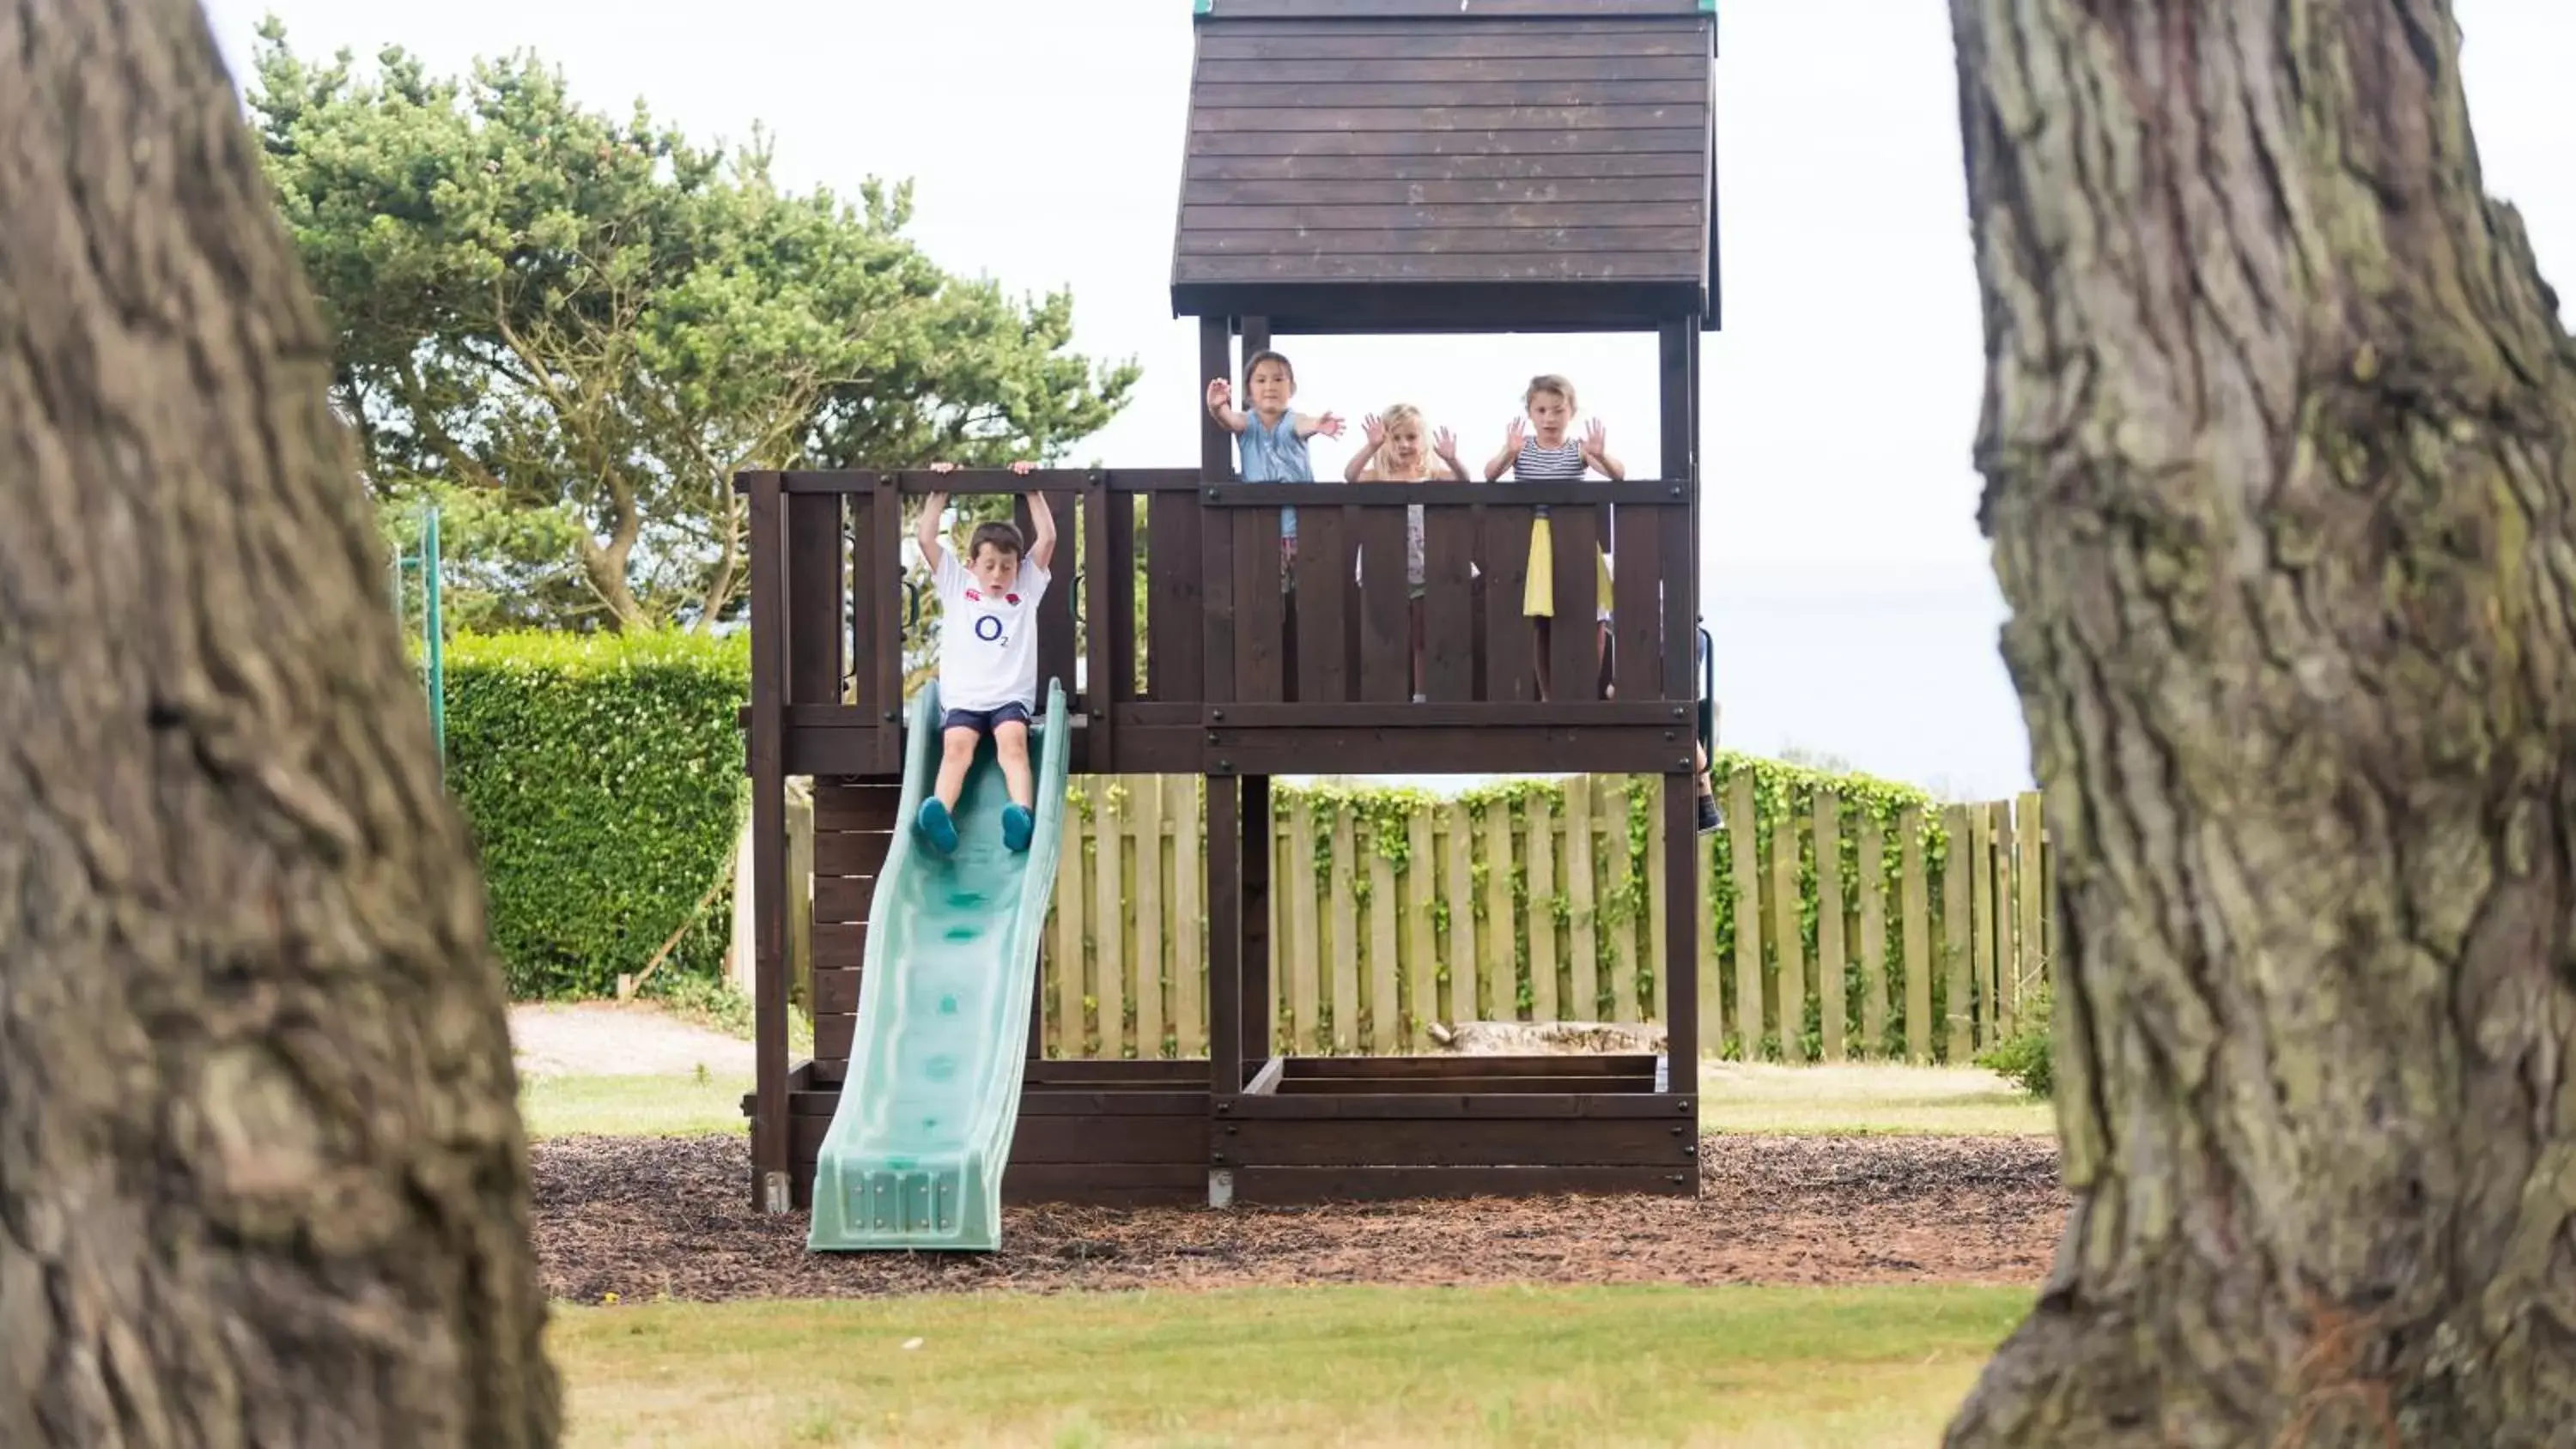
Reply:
x=1212 y=650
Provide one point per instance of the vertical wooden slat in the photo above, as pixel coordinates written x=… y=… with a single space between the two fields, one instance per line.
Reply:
x=2006 y=961
x=1582 y=950
x=1636 y=602
x=1225 y=937
x=1323 y=592
x=1448 y=605
x=1510 y=648
x=1260 y=923
x=1676 y=970
x=2049 y=909
x=1260 y=629
x=1742 y=828
x=1421 y=942
x=1712 y=971
x=769 y=1146
x=1108 y=581
x=1788 y=943
x=1958 y=930
x=1980 y=860
x=1653 y=984
x=867 y=611
x=1145 y=817
x=814 y=641
x=1121 y=509
x=1873 y=936
x=1074 y=993
x=2031 y=836
x=1346 y=936
x=1501 y=930
x=1172 y=614
x=878 y=571
x=1386 y=1019
x=1108 y=916
x=800 y=892
x=1538 y=847
x=1307 y=964
x=1189 y=923
x=1574 y=636
x=1829 y=924
x=1386 y=616
x=1458 y=852
x=1914 y=906
x=1285 y=945
x=1626 y=1003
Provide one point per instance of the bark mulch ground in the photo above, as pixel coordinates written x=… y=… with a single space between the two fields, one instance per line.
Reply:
x=647 y=1216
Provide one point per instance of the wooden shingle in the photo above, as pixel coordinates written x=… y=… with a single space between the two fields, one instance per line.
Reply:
x=1362 y=165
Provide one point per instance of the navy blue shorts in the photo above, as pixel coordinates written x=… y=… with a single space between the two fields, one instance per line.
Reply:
x=983 y=721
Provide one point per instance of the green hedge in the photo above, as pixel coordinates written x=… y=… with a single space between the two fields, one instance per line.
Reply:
x=603 y=775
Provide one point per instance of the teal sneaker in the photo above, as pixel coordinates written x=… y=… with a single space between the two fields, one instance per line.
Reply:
x=936 y=827
x=1017 y=826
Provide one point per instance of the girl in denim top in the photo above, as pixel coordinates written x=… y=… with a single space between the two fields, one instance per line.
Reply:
x=1271 y=439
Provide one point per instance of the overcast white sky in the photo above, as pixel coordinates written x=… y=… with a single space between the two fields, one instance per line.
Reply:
x=1847 y=588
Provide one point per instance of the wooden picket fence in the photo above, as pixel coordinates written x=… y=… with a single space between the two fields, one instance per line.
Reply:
x=1387 y=919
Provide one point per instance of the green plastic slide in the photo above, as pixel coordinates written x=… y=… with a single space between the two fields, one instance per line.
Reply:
x=915 y=1153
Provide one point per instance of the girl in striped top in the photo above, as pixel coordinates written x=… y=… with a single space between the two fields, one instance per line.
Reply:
x=1540 y=447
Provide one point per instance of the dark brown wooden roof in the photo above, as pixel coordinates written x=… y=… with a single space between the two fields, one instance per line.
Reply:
x=1369 y=165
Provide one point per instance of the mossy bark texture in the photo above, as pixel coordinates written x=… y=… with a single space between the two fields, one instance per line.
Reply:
x=2280 y=442
x=262 y=1176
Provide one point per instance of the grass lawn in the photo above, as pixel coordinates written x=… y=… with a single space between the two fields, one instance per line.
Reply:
x=634 y=1106
x=1720 y=1368
x=1874 y=1098
x=1733 y=1098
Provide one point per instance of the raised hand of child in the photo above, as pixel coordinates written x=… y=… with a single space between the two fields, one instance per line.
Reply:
x=1595 y=440
x=1516 y=433
x=1374 y=431
x=1219 y=392
x=1444 y=446
x=1330 y=425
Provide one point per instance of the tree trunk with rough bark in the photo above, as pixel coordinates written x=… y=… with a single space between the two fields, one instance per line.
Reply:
x=2280 y=442
x=263 y=1180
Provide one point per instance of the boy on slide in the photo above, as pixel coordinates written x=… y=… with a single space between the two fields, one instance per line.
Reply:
x=988 y=659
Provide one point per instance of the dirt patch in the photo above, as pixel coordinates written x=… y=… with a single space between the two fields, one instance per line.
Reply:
x=641 y=1216
x=608 y=1039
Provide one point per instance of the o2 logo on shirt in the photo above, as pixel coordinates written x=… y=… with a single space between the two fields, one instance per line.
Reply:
x=989 y=628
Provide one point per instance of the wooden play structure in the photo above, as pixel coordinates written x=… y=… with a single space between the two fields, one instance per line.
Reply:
x=1353 y=166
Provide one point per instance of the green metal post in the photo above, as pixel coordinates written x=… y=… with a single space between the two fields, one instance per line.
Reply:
x=434 y=651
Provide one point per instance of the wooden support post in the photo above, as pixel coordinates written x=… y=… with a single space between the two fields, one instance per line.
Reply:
x=1216 y=532
x=877 y=570
x=1225 y=850
x=1677 y=355
x=1260 y=991
x=1678 y=991
x=770 y=1190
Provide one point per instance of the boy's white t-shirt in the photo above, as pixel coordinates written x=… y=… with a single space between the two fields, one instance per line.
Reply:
x=988 y=647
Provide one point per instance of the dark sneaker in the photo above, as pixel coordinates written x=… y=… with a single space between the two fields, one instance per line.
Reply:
x=1709 y=819
x=1017 y=826
x=936 y=827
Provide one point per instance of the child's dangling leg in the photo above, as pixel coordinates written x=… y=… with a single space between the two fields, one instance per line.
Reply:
x=1019 y=818
x=1709 y=818
x=956 y=755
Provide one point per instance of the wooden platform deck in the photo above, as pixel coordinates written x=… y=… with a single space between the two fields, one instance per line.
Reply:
x=1319 y=1129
